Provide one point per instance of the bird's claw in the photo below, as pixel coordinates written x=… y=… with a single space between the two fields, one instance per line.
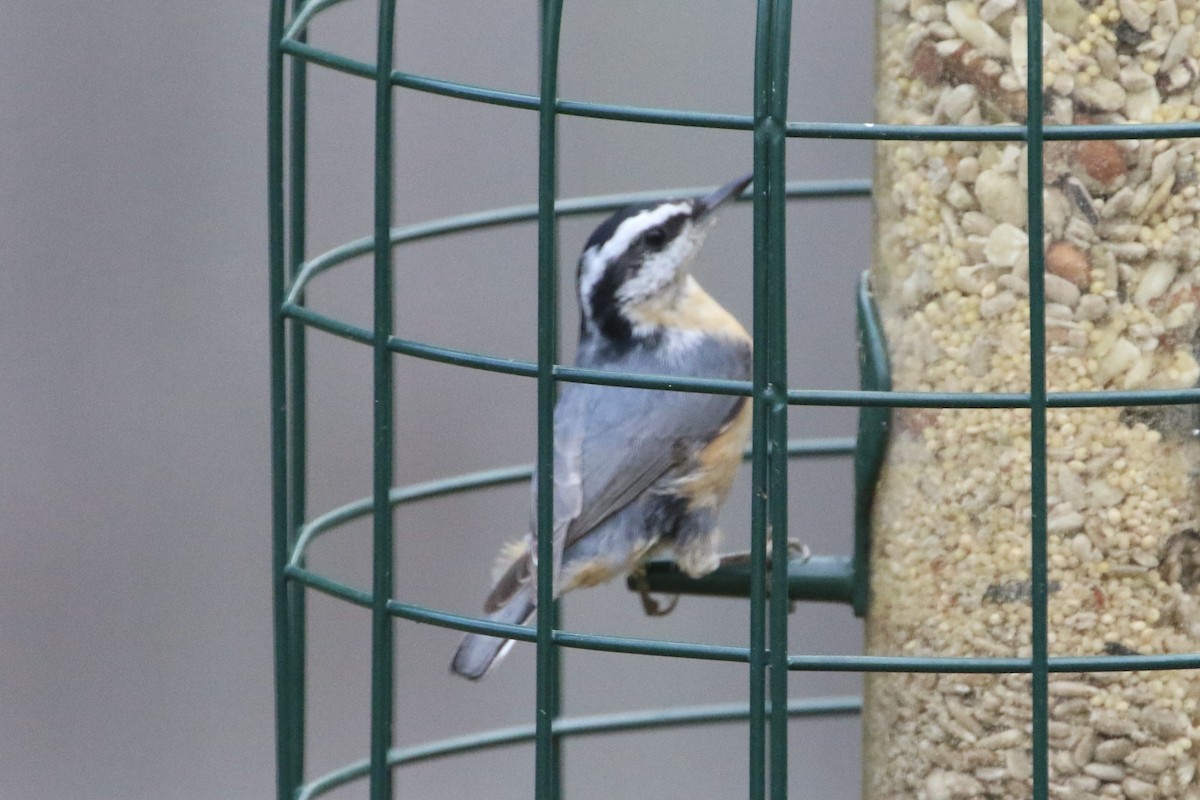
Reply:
x=795 y=550
x=650 y=604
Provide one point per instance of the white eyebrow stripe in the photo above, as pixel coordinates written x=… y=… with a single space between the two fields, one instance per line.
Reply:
x=589 y=274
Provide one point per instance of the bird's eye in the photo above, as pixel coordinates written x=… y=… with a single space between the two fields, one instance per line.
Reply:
x=655 y=238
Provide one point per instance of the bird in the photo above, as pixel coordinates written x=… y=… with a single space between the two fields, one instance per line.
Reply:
x=637 y=472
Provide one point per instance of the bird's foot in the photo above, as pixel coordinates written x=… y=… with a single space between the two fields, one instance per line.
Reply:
x=651 y=604
x=795 y=550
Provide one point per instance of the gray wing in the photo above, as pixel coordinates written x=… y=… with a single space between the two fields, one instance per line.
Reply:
x=613 y=443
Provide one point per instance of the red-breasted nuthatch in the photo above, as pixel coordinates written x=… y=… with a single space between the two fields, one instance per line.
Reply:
x=636 y=471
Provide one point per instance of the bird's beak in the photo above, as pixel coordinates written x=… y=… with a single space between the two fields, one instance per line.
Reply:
x=709 y=203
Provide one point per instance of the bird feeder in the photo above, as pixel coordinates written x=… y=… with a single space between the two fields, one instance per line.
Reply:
x=1039 y=267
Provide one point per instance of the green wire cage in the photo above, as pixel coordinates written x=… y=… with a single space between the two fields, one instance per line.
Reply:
x=993 y=135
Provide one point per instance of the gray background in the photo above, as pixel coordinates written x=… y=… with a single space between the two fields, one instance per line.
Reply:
x=135 y=638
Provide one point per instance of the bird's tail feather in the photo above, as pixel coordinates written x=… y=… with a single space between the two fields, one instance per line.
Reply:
x=477 y=653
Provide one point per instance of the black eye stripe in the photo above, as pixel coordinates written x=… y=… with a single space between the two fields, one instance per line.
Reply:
x=655 y=237
x=660 y=235
x=604 y=308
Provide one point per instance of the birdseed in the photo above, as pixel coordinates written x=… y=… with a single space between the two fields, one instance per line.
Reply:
x=950 y=572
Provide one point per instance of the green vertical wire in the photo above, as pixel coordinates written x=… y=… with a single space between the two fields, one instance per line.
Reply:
x=771 y=138
x=1037 y=410
x=288 y=745
x=382 y=653
x=547 y=758
x=760 y=509
x=298 y=402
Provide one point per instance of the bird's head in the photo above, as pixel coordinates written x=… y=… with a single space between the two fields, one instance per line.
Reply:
x=636 y=262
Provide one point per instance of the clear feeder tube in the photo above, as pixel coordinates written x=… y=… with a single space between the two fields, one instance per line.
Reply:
x=950 y=561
